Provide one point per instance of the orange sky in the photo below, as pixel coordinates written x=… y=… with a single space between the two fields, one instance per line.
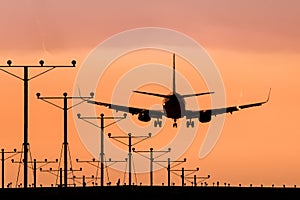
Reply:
x=254 y=44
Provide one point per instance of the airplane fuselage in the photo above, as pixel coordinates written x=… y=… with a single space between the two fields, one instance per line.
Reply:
x=174 y=106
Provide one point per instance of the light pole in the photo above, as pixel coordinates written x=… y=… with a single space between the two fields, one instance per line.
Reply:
x=102 y=126
x=93 y=161
x=14 y=152
x=130 y=145
x=43 y=163
x=65 y=108
x=195 y=177
x=183 y=173
x=169 y=168
x=25 y=80
x=151 y=158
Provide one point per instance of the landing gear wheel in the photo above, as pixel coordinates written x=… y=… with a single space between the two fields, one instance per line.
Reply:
x=188 y=124
x=157 y=123
x=175 y=125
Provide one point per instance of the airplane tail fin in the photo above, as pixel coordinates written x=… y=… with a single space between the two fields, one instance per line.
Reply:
x=174 y=82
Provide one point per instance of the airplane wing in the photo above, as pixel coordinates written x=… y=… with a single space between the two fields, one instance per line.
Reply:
x=131 y=110
x=217 y=111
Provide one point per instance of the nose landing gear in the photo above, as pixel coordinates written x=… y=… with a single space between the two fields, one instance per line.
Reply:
x=190 y=123
x=174 y=124
x=157 y=122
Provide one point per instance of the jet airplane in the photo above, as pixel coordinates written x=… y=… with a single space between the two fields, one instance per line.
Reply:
x=174 y=107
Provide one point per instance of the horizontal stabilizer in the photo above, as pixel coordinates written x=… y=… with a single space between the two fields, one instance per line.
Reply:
x=196 y=94
x=153 y=94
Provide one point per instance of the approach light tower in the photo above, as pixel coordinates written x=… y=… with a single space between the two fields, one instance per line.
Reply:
x=130 y=145
x=102 y=118
x=151 y=158
x=65 y=109
x=25 y=80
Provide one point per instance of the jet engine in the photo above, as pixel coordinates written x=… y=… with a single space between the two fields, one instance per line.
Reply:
x=205 y=116
x=144 y=116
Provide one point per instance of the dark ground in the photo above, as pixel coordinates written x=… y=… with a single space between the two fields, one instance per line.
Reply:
x=147 y=192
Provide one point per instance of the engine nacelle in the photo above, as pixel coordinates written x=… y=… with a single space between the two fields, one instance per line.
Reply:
x=144 y=116
x=205 y=116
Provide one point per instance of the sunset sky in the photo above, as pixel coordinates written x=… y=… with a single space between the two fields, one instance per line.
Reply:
x=254 y=45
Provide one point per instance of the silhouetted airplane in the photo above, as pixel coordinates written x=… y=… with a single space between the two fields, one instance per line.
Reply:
x=174 y=107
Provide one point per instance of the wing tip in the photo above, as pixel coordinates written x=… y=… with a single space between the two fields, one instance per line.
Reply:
x=268 y=96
